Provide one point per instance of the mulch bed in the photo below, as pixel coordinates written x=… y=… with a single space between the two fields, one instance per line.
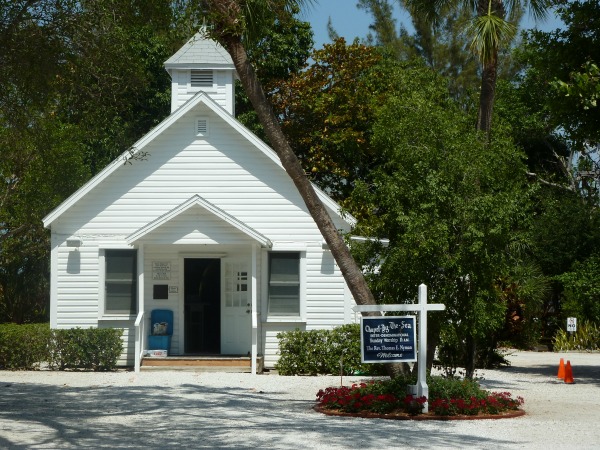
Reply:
x=428 y=416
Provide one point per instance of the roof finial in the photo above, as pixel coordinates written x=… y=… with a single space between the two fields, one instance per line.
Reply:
x=203 y=32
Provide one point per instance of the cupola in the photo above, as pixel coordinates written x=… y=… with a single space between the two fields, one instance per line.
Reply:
x=202 y=64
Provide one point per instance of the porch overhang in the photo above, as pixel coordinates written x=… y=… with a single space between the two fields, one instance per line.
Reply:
x=197 y=201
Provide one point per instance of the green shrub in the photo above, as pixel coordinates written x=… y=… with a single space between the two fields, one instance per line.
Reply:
x=581 y=290
x=302 y=352
x=23 y=347
x=449 y=388
x=587 y=337
x=26 y=347
x=86 y=348
x=440 y=387
x=323 y=352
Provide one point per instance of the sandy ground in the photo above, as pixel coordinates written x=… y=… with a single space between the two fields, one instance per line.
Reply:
x=170 y=409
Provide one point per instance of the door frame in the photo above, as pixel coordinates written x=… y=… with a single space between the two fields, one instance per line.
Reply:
x=255 y=256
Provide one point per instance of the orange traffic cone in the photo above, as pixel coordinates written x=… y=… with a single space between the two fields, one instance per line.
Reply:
x=569 y=373
x=561 y=369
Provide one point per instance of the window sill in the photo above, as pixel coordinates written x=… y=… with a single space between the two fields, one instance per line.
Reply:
x=284 y=319
x=118 y=317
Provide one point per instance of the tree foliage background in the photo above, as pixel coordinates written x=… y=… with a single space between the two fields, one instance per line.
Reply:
x=81 y=81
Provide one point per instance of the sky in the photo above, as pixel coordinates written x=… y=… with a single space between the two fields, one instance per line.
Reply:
x=351 y=22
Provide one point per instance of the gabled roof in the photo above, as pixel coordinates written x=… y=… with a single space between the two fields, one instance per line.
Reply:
x=200 y=52
x=196 y=200
x=200 y=97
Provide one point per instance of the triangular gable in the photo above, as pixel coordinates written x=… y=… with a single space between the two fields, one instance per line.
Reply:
x=200 y=97
x=196 y=200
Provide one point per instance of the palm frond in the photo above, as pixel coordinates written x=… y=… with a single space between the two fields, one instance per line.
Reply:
x=430 y=10
x=537 y=8
x=489 y=33
x=260 y=14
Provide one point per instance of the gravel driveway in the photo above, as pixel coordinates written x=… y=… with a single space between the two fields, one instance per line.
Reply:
x=170 y=409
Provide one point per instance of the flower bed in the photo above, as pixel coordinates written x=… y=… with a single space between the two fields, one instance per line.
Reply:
x=382 y=399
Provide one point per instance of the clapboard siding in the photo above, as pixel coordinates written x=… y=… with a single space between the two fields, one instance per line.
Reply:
x=77 y=287
x=245 y=187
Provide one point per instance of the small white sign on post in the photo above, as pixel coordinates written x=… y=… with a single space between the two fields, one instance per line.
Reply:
x=420 y=389
x=572 y=324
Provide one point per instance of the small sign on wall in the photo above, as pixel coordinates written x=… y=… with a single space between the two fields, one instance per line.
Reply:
x=160 y=292
x=161 y=270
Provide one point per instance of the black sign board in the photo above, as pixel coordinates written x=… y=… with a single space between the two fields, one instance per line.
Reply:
x=388 y=339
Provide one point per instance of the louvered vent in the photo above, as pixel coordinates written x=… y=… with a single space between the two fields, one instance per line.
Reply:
x=202 y=127
x=202 y=78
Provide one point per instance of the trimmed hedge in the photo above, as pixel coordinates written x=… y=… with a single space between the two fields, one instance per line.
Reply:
x=96 y=349
x=320 y=351
x=24 y=347
x=27 y=347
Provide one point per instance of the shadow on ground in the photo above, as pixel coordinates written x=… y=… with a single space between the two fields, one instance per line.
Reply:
x=586 y=371
x=195 y=416
x=582 y=373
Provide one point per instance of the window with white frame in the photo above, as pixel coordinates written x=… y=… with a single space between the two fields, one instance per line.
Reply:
x=120 y=282
x=284 y=284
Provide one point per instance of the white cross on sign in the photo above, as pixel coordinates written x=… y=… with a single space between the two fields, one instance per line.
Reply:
x=422 y=307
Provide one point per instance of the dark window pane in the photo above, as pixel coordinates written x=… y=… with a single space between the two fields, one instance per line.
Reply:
x=121 y=281
x=284 y=284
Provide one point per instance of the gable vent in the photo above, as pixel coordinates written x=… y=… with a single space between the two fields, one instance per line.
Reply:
x=202 y=78
x=202 y=127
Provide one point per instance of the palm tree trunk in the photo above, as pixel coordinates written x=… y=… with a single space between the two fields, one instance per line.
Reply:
x=350 y=270
x=487 y=95
x=490 y=71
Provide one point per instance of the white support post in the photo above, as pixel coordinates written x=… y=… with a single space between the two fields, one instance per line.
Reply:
x=254 y=307
x=422 y=388
x=139 y=326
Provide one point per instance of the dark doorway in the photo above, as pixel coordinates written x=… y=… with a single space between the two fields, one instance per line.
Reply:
x=202 y=291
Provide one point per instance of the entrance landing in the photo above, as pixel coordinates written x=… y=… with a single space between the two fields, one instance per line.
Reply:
x=203 y=363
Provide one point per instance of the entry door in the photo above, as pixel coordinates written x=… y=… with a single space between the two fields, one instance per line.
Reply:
x=202 y=306
x=236 y=317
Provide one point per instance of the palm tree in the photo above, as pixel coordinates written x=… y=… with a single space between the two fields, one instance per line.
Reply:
x=234 y=23
x=490 y=30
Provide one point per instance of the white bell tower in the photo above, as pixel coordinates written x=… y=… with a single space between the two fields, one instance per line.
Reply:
x=202 y=65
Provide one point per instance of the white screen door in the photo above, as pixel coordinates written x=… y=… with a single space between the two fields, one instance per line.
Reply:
x=236 y=317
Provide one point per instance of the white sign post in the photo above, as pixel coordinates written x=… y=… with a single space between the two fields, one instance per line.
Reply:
x=420 y=389
x=571 y=324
